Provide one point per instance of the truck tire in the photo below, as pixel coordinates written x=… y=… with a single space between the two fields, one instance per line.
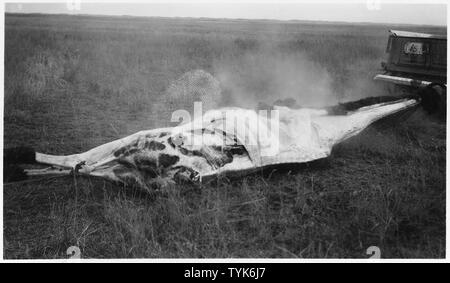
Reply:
x=434 y=99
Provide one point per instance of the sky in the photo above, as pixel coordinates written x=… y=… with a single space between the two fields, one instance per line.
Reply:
x=374 y=11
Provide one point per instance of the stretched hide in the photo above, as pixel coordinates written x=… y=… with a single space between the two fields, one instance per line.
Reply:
x=224 y=140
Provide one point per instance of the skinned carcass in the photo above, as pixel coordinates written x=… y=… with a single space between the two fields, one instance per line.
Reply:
x=228 y=140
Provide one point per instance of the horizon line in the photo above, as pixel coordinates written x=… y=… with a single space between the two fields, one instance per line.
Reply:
x=226 y=18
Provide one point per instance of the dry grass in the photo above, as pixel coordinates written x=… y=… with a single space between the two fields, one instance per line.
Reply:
x=72 y=83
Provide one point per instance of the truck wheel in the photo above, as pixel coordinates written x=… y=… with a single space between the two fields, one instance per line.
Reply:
x=434 y=99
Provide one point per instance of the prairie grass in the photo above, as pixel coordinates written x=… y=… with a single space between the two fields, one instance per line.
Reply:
x=74 y=82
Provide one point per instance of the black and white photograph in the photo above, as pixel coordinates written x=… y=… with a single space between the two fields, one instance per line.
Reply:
x=189 y=130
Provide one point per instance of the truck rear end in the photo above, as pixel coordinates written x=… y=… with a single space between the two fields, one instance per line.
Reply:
x=417 y=63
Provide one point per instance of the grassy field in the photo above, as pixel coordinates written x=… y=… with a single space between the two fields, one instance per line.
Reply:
x=75 y=82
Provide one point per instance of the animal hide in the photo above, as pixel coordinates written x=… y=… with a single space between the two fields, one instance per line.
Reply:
x=228 y=140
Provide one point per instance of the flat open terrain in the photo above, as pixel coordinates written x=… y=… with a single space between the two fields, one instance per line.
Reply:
x=75 y=82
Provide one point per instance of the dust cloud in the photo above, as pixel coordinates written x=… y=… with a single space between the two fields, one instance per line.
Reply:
x=267 y=76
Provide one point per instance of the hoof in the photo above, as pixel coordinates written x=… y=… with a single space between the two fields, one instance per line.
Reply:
x=13 y=173
x=19 y=155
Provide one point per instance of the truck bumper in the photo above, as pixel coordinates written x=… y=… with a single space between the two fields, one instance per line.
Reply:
x=402 y=81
